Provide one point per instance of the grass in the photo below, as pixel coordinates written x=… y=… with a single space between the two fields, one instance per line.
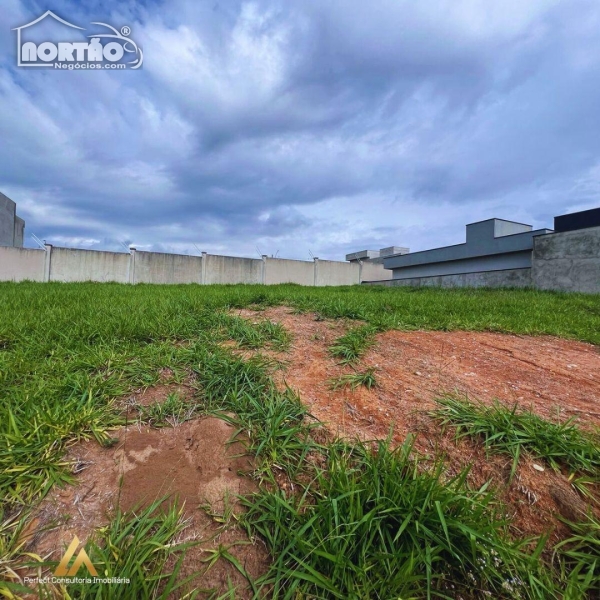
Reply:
x=255 y=335
x=581 y=554
x=69 y=352
x=350 y=347
x=173 y=411
x=365 y=378
x=140 y=544
x=375 y=525
x=513 y=431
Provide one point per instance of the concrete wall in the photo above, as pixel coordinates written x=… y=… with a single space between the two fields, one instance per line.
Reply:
x=230 y=269
x=330 y=272
x=374 y=272
x=19 y=232
x=69 y=264
x=156 y=267
x=568 y=261
x=508 y=278
x=280 y=270
x=7 y=221
x=19 y=264
x=514 y=260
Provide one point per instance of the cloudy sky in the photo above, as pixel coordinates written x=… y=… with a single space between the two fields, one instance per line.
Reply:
x=305 y=127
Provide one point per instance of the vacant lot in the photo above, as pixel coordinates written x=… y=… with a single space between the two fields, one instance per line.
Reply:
x=251 y=441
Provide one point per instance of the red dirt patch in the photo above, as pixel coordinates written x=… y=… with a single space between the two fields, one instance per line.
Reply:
x=544 y=373
x=194 y=461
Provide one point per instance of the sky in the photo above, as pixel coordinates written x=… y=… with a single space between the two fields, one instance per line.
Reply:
x=306 y=128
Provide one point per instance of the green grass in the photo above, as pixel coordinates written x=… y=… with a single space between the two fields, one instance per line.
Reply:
x=514 y=431
x=580 y=553
x=255 y=335
x=350 y=347
x=375 y=525
x=68 y=352
x=173 y=411
x=140 y=544
x=365 y=378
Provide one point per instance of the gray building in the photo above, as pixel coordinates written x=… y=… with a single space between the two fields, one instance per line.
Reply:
x=375 y=256
x=492 y=245
x=12 y=227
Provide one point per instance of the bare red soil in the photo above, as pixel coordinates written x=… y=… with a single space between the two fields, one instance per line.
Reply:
x=555 y=378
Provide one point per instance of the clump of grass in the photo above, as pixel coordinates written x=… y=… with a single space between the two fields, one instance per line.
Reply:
x=173 y=411
x=276 y=422
x=139 y=546
x=514 y=431
x=373 y=525
x=256 y=335
x=366 y=378
x=351 y=346
x=580 y=554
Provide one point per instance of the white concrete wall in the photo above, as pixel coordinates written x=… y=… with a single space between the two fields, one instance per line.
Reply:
x=68 y=264
x=281 y=270
x=20 y=264
x=374 y=272
x=568 y=261
x=330 y=272
x=230 y=269
x=156 y=267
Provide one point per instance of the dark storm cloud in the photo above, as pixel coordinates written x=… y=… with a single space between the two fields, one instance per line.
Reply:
x=324 y=126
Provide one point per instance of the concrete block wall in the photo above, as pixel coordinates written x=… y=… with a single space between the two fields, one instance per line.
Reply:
x=20 y=264
x=568 y=261
x=68 y=264
x=158 y=267
x=329 y=272
x=230 y=269
x=280 y=270
x=374 y=272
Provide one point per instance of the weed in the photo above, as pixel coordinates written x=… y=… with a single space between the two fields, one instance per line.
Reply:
x=366 y=378
x=173 y=411
x=514 y=431
x=351 y=346
x=373 y=525
x=137 y=546
x=581 y=555
x=256 y=335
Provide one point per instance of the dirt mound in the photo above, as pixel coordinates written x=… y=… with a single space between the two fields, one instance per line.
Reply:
x=545 y=374
x=194 y=462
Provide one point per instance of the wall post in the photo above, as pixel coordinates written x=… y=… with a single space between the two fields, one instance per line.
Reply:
x=264 y=269
x=204 y=261
x=131 y=266
x=47 y=261
x=316 y=263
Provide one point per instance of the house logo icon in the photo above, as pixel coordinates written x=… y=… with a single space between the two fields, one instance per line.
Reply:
x=111 y=49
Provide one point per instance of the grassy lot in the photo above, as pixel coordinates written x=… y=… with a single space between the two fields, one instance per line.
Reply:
x=68 y=351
